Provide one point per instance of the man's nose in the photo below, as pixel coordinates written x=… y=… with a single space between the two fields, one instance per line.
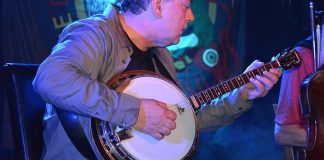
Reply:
x=189 y=15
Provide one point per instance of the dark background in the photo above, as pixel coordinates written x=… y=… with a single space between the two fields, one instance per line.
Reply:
x=270 y=27
x=266 y=28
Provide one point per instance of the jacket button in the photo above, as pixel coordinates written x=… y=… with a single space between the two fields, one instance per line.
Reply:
x=124 y=61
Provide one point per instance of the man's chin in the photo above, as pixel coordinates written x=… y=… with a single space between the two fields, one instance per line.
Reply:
x=170 y=43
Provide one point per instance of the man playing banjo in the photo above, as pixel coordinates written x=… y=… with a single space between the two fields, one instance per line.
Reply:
x=90 y=52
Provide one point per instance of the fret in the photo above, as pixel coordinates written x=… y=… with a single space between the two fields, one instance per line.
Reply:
x=202 y=95
x=221 y=88
x=228 y=86
x=240 y=80
x=212 y=93
x=271 y=65
x=199 y=99
x=202 y=99
x=238 y=84
x=266 y=67
x=263 y=69
x=235 y=84
x=219 y=91
x=215 y=91
x=255 y=73
x=278 y=63
x=249 y=75
x=252 y=74
x=259 y=71
x=206 y=96
x=225 y=87
x=247 y=79
x=232 y=84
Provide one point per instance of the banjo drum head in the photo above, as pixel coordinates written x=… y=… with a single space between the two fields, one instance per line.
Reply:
x=179 y=143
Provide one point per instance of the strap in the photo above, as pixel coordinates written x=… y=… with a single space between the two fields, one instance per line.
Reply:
x=75 y=132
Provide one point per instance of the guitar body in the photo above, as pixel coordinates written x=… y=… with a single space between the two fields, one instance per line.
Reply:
x=312 y=103
x=115 y=143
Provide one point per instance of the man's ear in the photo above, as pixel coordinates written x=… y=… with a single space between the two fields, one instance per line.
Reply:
x=157 y=6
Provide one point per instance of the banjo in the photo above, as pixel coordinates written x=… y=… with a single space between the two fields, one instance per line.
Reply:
x=113 y=142
x=117 y=143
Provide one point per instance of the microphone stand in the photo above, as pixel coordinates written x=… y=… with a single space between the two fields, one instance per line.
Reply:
x=316 y=18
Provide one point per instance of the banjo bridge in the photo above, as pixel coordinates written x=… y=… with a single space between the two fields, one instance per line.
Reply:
x=180 y=109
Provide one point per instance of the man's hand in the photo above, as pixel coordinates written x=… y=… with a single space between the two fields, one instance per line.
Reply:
x=260 y=85
x=155 y=119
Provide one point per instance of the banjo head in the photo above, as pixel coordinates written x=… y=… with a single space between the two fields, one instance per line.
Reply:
x=181 y=140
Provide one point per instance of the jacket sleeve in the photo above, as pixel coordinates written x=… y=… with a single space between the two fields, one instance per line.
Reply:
x=69 y=77
x=222 y=111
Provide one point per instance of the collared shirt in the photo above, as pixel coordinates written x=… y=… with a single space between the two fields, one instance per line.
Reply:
x=88 y=54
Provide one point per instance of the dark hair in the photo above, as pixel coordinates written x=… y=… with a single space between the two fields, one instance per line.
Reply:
x=134 y=6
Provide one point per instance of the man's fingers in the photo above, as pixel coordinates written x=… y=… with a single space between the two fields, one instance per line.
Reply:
x=157 y=135
x=171 y=114
x=167 y=111
x=276 y=72
x=266 y=83
x=169 y=124
x=260 y=87
x=273 y=77
x=165 y=131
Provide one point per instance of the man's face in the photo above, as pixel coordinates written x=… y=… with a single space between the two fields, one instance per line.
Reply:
x=176 y=15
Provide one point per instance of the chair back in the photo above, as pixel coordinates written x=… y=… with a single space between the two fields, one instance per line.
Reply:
x=26 y=109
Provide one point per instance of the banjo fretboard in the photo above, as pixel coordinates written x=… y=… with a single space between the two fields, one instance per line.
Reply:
x=213 y=92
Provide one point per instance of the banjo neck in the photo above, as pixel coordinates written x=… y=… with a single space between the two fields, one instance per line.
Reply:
x=288 y=59
x=207 y=95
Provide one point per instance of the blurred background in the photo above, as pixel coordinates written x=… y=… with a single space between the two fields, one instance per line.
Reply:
x=226 y=36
